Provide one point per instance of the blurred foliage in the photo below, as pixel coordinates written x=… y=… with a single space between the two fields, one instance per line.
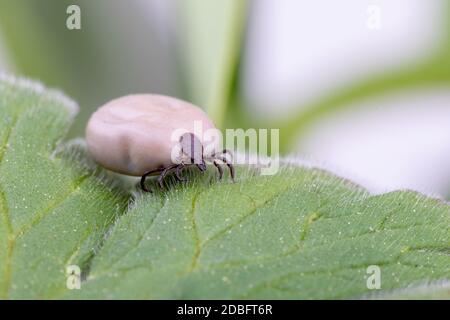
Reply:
x=116 y=52
x=119 y=51
x=435 y=70
x=210 y=43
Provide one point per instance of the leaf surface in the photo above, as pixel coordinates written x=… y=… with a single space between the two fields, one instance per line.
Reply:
x=299 y=234
x=53 y=209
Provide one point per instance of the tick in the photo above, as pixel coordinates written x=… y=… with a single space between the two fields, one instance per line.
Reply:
x=134 y=135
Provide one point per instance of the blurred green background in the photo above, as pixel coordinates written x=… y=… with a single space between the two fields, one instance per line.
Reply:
x=200 y=50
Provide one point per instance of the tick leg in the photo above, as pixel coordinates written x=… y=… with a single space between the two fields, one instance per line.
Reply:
x=163 y=175
x=230 y=168
x=178 y=170
x=201 y=166
x=144 y=176
x=219 y=168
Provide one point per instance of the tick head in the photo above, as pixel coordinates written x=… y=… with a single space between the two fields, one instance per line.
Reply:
x=192 y=148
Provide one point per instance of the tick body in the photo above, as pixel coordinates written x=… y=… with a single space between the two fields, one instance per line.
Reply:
x=136 y=135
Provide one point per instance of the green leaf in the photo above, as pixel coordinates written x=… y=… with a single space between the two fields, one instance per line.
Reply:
x=53 y=209
x=299 y=234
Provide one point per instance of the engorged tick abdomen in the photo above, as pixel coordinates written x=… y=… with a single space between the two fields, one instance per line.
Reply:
x=133 y=134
